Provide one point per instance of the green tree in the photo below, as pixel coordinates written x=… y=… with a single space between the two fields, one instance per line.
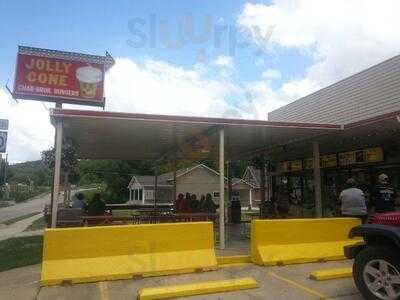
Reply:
x=69 y=159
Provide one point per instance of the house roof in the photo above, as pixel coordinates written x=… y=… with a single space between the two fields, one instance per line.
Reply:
x=162 y=179
x=254 y=174
x=148 y=180
x=166 y=179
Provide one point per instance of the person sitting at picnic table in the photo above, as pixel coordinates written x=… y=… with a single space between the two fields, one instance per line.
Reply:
x=178 y=201
x=183 y=206
x=78 y=202
x=187 y=197
x=96 y=207
x=209 y=205
x=194 y=204
x=202 y=202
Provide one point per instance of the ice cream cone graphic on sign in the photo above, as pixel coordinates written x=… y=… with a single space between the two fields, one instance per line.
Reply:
x=88 y=78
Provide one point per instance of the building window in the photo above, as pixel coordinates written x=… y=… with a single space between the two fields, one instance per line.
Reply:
x=138 y=194
x=149 y=194
x=216 y=194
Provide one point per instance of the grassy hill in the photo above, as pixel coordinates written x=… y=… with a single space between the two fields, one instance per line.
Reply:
x=29 y=171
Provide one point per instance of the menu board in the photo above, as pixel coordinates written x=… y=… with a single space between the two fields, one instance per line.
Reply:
x=291 y=166
x=374 y=154
x=347 y=158
x=361 y=156
x=369 y=155
x=308 y=164
x=295 y=165
x=328 y=161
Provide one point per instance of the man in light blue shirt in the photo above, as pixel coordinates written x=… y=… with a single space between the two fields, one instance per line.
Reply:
x=79 y=202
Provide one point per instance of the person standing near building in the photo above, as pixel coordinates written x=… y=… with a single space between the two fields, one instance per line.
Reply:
x=384 y=195
x=282 y=201
x=353 y=202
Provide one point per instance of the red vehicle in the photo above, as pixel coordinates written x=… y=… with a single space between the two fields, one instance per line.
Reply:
x=392 y=219
x=376 y=268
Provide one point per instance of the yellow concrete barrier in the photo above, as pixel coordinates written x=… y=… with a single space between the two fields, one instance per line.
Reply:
x=232 y=260
x=199 y=288
x=90 y=254
x=300 y=240
x=328 y=274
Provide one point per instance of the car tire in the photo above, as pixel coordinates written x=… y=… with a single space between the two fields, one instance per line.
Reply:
x=365 y=259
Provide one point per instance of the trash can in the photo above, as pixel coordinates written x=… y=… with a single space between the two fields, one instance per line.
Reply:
x=236 y=211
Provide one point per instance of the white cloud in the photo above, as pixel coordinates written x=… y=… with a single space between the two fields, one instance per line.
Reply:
x=296 y=89
x=342 y=36
x=159 y=87
x=262 y=98
x=221 y=20
x=271 y=74
x=30 y=130
x=224 y=61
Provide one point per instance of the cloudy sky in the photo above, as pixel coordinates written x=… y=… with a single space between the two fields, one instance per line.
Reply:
x=208 y=58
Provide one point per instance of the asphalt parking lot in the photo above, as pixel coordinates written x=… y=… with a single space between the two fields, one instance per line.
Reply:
x=280 y=282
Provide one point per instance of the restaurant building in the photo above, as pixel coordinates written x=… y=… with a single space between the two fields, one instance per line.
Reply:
x=367 y=106
x=311 y=146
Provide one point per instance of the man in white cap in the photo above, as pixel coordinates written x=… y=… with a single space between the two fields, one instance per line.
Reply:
x=384 y=195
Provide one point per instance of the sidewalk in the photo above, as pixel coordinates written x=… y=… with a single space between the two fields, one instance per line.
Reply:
x=17 y=229
x=279 y=282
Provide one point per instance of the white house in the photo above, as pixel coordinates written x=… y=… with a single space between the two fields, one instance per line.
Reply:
x=198 y=180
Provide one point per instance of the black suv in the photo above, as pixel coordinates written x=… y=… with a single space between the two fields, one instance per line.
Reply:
x=376 y=268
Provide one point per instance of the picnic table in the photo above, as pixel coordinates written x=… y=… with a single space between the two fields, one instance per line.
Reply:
x=160 y=206
x=175 y=217
x=105 y=220
x=149 y=218
x=67 y=217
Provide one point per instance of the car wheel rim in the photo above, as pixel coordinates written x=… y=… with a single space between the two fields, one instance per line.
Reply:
x=382 y=279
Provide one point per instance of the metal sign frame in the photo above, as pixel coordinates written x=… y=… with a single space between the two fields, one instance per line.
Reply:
x=4 y=124
x=3 y=141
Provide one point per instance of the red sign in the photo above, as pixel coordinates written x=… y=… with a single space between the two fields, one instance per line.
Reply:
x=48 y=78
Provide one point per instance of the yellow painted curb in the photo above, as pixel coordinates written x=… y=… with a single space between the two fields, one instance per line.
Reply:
x=237 y=259
x=332 y=274
x=199 y=288
x=234 y=265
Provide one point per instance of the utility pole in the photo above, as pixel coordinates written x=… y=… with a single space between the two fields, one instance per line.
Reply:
x=1 y=170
